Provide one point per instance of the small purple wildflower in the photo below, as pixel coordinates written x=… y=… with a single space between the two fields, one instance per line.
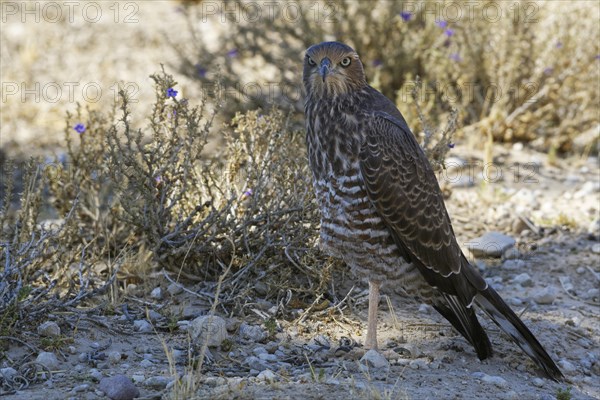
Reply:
x=248 y=192
x=79 y=128
x=232 y=53
x=455 y=57
x=158 y=179
x=548 y=70
x=449 y=32
x=172 y=92
x=200 y=70
x=406 y=15
x=441 y=23
x=451 y=145
x=558 y=45
x=377 y=63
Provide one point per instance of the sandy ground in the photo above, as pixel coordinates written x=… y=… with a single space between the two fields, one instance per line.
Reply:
x=428 y=359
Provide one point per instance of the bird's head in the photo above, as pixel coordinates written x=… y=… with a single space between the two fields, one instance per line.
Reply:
x=332 y=68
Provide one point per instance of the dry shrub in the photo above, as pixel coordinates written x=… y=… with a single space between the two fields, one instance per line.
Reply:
x=520 y=72
x=121 y=195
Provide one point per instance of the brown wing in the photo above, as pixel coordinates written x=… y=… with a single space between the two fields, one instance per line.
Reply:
x=404 y=190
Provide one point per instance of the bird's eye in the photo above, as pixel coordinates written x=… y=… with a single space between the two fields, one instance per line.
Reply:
x=345 y=62
x=311 y=62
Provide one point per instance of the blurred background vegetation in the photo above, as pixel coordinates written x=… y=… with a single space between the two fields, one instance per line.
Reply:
x=201 y=167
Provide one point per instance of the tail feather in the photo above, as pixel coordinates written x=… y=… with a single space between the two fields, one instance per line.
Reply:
x=465 y=321
x=493 y=305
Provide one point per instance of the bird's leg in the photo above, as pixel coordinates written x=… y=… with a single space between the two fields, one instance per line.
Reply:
x=371 y=342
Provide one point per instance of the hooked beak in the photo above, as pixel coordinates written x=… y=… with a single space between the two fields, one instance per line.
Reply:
x=325 y=68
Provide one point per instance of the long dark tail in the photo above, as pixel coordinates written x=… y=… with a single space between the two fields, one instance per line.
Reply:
x=465 y=321
x=493 y=305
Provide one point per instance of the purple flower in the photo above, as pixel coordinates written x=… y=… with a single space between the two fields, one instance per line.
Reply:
x=406 y=15
x=558 y=45
x=158 y=179
x=451 y=145
x=548 y=70
x=232 y=53
x=449 y=32
x=200 y=70
x=441 y=23
x=79 y=128
x=248 y=192
x=172 y=92
x=455 y=57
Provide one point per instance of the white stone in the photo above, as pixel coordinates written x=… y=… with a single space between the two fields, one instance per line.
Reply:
x=156 y=293
x=48 y=359
x=266 y=376
x=546 y=295
x=49 y=329
x=209 y=328
x=374 y=359
x=495 y=380
x=143 y=326
x=523 y=279
x=491 y=244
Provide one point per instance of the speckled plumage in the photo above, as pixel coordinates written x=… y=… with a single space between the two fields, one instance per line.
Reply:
x=382 y=211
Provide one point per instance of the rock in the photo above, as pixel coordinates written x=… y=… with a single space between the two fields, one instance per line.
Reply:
x=7 y=373
x=119 y=387
x=209 y=328
x=255 y=363
x=513 y=265
x=143 y=326
x=511 y=254
x=138 y=378
x=495 y=380
x=523 y=279
x=491 y=244
x=114 y=357
x=374 y=359
x=596 y=248
x=154 y=316
x=146 y=363
x=49 y=329
x=96 y=375
x=252 y=333
x=81 y=388
x=158 y=382
x=546 y=295
x=567 y=367
x=174 y=289
x=425 y=308
x=591 y=294
x=266 y=376
x=48 y=360
x=538 y=382
x=156 y=293
x=418 y=364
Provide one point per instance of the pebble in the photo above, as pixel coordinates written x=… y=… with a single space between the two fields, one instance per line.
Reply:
x=210 y=329
x=425 y=308
x=119 y=387
x=591 y=294
x=114 y=357
x=81 y=388
x=48 y=360
x=523 y=279
x=156 y=293
x=374 y=359
x=511 y=254
x=596 y=248
x=266 y=376
x=7 y=373
x=546 y=295
x=418 y=364
x=513 y=264
x=146 y=363
x=587 y=189
x=495 y=380
x=174 y=289
x=491 y=244
x=142 y=326
x=158 y=382
x=252 y=333
x=538 y=382
x=97 y=375
x=138 y=378
x=255 y=363
x=49 y=329
x=567 y=367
